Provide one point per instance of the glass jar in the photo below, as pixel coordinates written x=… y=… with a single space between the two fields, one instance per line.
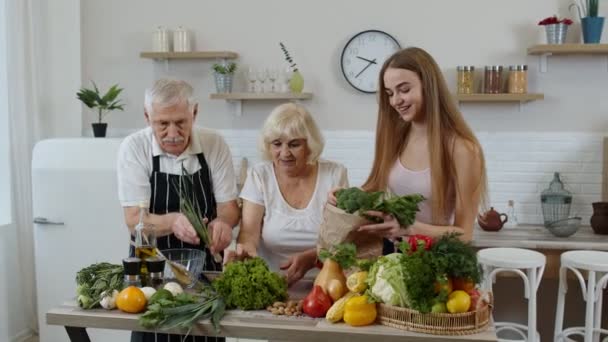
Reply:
x=493 y=79
x=132 y=268
x=518 y=79
x=465 y=80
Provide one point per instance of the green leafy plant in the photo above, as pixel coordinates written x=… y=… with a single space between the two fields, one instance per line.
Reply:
x=592 y=6
x=224 y=68
x=105 y=103
x=345 y=254
x=288 y=58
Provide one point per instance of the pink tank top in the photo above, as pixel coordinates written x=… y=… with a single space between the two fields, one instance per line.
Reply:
x=403 y=181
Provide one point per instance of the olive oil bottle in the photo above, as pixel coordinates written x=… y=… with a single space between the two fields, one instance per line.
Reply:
x=145 y=241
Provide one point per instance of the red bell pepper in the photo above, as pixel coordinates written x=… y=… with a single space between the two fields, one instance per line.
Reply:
x=419 y=240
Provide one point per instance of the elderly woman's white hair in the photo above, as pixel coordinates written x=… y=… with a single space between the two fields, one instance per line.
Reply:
x=167 y=93
x=292 y=121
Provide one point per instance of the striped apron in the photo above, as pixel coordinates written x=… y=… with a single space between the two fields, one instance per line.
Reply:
x=164 y=199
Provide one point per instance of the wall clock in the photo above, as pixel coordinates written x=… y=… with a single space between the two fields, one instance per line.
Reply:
x=363 y=56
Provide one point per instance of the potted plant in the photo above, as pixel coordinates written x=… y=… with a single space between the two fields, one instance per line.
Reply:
x=591 y=24
x=104 y=104
x=224 y=73
x=296 y=81
x=556 y=29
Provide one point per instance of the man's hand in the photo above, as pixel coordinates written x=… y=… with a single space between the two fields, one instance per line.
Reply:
x=221 y=235
x=183 y=230
x=297 y=265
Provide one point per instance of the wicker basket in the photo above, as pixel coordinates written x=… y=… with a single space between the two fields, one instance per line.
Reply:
x=465 y=323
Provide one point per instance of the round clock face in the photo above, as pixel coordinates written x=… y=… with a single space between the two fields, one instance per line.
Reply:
x=363 y=56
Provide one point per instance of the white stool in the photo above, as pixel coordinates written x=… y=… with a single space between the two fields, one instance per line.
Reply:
x=496 y=260
x=592 y=262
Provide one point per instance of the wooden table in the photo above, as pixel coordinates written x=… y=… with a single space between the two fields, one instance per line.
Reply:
x=540 y=239
x=249 y=324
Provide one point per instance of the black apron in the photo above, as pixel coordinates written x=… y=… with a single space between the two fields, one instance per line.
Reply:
x=165 y=199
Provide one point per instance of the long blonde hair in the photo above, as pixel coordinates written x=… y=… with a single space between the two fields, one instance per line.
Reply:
x=445 y=124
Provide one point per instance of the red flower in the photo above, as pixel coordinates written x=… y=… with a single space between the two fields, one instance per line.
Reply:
x=554 y=20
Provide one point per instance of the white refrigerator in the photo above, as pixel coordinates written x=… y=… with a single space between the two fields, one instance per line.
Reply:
x=78 y=221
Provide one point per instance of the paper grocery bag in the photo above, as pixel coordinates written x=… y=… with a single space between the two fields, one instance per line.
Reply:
x=339 y=226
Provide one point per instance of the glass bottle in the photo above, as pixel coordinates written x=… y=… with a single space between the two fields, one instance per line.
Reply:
x=132 y=269
x=466 y=76
x=555 y=201
x=145 y=240
x=156 y=269
x=493 y=79
x=518 y=79
x=512 y=222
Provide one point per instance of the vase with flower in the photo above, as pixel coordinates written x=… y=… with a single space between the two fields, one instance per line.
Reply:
x=556 y=29
x=296 y=82
x=591 y=24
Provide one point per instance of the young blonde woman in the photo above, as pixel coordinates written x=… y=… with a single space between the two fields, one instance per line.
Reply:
x=423 y=145
x=283 y=197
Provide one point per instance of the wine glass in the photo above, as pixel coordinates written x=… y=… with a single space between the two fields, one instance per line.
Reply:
x=251 y=76
x=288 y=76
x=261 y=76
x=273 y=73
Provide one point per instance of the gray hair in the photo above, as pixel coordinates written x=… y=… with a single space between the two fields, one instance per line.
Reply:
x=292 y=121
x=168 y=92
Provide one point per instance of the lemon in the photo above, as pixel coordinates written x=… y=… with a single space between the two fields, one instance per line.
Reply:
x=356 y=282
x=458 y=301
x=131 y=300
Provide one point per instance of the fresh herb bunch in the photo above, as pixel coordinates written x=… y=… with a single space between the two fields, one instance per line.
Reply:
x=94 y=281
x=404 y=208
x=224 y=68
x=420 y=277
x=250 y=285
x=288 y=58
x=345 y=254
x=455 y=258
x=166 y=312
x=92 y=98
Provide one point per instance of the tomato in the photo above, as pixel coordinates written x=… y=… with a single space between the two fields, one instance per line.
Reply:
x=446 y=285
x=475 y=298
x=316 y=303
x=464 y=284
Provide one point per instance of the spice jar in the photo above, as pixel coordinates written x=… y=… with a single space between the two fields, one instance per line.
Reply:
x=465 y=81
x=132 y=268
x=493 y=79
x=518 y=79
x=156 y=268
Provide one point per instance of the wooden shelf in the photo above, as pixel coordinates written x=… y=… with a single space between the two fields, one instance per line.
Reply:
x=498 y=97
x=569 y=49
x=261 y=96
x=238 y=98
x=190 y=55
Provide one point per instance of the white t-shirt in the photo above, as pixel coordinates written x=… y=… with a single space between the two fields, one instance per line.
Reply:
x=286 y=230
x=134 y=164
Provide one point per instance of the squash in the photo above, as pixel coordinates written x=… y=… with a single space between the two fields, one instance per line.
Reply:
x=332 y=279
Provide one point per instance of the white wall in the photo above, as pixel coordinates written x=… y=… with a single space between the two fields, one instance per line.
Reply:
x=472 y=32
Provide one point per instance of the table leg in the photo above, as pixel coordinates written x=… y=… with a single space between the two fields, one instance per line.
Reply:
x=78 y=334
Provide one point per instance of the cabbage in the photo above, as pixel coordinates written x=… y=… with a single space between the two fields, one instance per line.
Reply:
x=386 y=280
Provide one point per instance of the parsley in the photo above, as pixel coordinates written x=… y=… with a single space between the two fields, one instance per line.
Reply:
x=456 y=258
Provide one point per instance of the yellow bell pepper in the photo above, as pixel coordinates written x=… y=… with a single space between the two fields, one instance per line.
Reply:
x=358 y=311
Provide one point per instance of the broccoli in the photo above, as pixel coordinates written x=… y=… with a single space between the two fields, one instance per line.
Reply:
x=404 y=208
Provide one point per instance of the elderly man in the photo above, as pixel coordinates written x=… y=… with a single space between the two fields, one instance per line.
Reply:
x=152 y=161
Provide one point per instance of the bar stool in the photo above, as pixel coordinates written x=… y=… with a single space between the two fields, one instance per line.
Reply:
x=515 y=260
x=592 y=262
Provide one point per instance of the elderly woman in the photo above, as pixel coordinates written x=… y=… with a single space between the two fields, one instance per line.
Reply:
x=283 y=197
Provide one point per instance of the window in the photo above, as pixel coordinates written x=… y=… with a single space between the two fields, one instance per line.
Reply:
x=5 y=156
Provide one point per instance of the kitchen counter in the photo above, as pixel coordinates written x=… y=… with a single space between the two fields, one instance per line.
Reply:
x=249 y=324
x=538 y=237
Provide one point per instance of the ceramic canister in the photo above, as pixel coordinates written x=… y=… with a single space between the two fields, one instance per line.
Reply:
x=160 y=40
x=181 y=40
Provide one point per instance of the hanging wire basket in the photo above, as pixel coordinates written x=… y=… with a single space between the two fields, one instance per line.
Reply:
x=555 y=201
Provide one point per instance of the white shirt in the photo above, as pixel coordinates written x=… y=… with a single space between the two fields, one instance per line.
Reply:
x=287 y=230
x=135 y=164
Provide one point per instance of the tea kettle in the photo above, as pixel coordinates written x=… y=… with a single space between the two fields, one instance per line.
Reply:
x=492 y=220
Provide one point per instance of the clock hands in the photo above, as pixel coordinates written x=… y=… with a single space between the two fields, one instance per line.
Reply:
x=367 y=66
x=367 y=60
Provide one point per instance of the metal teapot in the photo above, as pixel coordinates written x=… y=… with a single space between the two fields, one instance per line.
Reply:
x=492 y=220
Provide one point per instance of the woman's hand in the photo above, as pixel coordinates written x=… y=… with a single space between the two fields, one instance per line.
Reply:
x=243 y=251
x=183 y=230
x=331 y=196
x=389 y=228
x=297 y=265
